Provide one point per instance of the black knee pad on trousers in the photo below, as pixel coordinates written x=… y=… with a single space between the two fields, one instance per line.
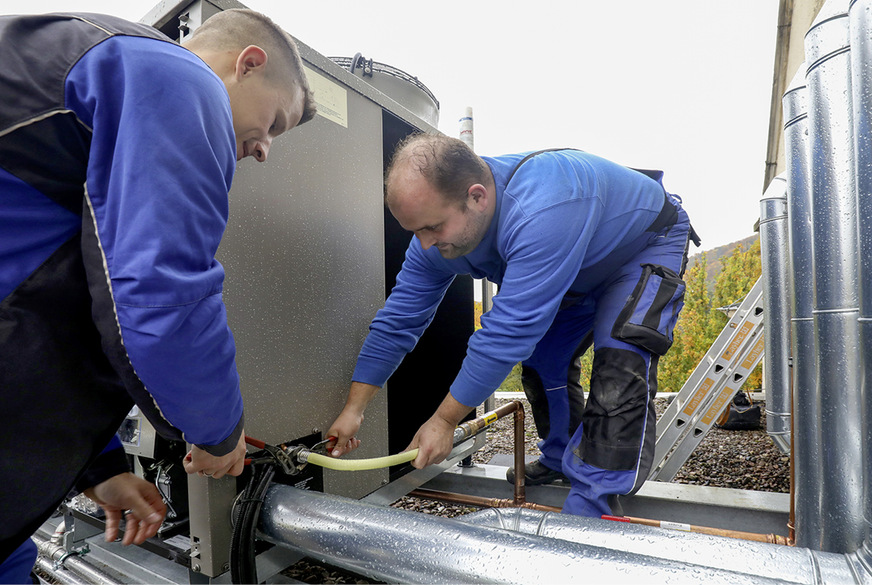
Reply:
x=617 y=410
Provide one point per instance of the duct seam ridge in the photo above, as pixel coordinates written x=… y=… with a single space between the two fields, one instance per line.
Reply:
x=827 y=57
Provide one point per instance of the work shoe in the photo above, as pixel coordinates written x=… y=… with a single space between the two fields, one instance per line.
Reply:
x=535 y=473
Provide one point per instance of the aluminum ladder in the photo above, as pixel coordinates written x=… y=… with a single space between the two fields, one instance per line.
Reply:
x=710 y=388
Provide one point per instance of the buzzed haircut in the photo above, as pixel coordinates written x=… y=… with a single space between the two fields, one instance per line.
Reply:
x=235 y=29
x=447 y=163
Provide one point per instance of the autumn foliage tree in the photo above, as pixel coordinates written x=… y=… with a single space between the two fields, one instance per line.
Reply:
x=701 y=322
x=698 y=326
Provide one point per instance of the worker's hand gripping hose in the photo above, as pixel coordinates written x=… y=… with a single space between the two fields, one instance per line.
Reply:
x=290 y=459
x=461 y=433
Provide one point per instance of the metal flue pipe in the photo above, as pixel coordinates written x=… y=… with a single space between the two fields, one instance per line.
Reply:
x=836 y=311
x=861 y=84
x=806 y=437
x=774 y=252
x=399 y=546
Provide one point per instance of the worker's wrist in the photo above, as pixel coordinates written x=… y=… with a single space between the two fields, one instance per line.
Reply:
x=359 y=397
x=451 y=412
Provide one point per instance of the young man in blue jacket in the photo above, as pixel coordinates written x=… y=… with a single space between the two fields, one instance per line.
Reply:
x=577 y=244
x=117 y=151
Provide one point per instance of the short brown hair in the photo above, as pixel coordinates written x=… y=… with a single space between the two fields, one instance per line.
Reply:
x=238 y=28
x=447 y=163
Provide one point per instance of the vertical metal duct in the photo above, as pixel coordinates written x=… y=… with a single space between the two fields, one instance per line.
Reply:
x=776 y=306
x=861 y=83
x=836 y=277
x=806 y=437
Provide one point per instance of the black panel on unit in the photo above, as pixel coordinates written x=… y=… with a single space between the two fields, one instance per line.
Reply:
x=422 y=380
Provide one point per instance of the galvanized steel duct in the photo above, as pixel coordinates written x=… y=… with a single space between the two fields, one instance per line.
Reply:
x=766 y=561
x=774 y=252
x=67 y=568
x=398 y=546
x=836 y=278
x=806 y=437
x=861 y=84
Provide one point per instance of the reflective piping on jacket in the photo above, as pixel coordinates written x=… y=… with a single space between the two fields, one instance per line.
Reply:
x=112 y=295
x=40 y=118
x=94 y=24
x=644 y=424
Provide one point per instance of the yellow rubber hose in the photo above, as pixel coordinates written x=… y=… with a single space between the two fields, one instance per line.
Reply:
x=360 y=464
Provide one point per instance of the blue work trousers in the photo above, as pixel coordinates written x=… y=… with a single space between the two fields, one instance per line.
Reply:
x=631 y=313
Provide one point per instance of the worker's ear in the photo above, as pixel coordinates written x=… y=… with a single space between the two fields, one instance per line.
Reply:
x=478 y=196
x=252 y=59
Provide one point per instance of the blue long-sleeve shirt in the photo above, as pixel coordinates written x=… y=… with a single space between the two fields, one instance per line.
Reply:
x=137 y=132
x=561 y=225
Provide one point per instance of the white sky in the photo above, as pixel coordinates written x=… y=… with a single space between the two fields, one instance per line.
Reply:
x=678 y=85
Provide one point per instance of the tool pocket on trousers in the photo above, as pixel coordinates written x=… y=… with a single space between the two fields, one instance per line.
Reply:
x=648 y=318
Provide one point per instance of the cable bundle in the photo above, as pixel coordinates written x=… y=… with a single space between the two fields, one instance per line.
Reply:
x=243 y=567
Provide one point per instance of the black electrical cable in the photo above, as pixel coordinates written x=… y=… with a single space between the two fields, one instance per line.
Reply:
x=243 y=567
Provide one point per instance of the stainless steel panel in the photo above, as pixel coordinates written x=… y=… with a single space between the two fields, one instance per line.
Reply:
x=304 y=254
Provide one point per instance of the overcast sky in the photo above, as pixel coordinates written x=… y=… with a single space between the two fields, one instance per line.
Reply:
x=679 y=85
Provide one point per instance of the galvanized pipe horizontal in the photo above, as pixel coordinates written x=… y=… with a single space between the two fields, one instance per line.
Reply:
x=768 y=561
x=71 y=568
x=59 y=574
x=400 y=546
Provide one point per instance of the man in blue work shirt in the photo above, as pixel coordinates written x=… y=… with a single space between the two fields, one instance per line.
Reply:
x=576 y=244
x=117 y=151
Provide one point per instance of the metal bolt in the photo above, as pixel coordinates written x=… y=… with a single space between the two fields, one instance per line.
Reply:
x=195 y=568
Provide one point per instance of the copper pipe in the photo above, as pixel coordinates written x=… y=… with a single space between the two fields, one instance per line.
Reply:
x=477 y=425
x=479 y=501
x=520 y=444
x=770 y=538
x=482 y=502
x=791 y=520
